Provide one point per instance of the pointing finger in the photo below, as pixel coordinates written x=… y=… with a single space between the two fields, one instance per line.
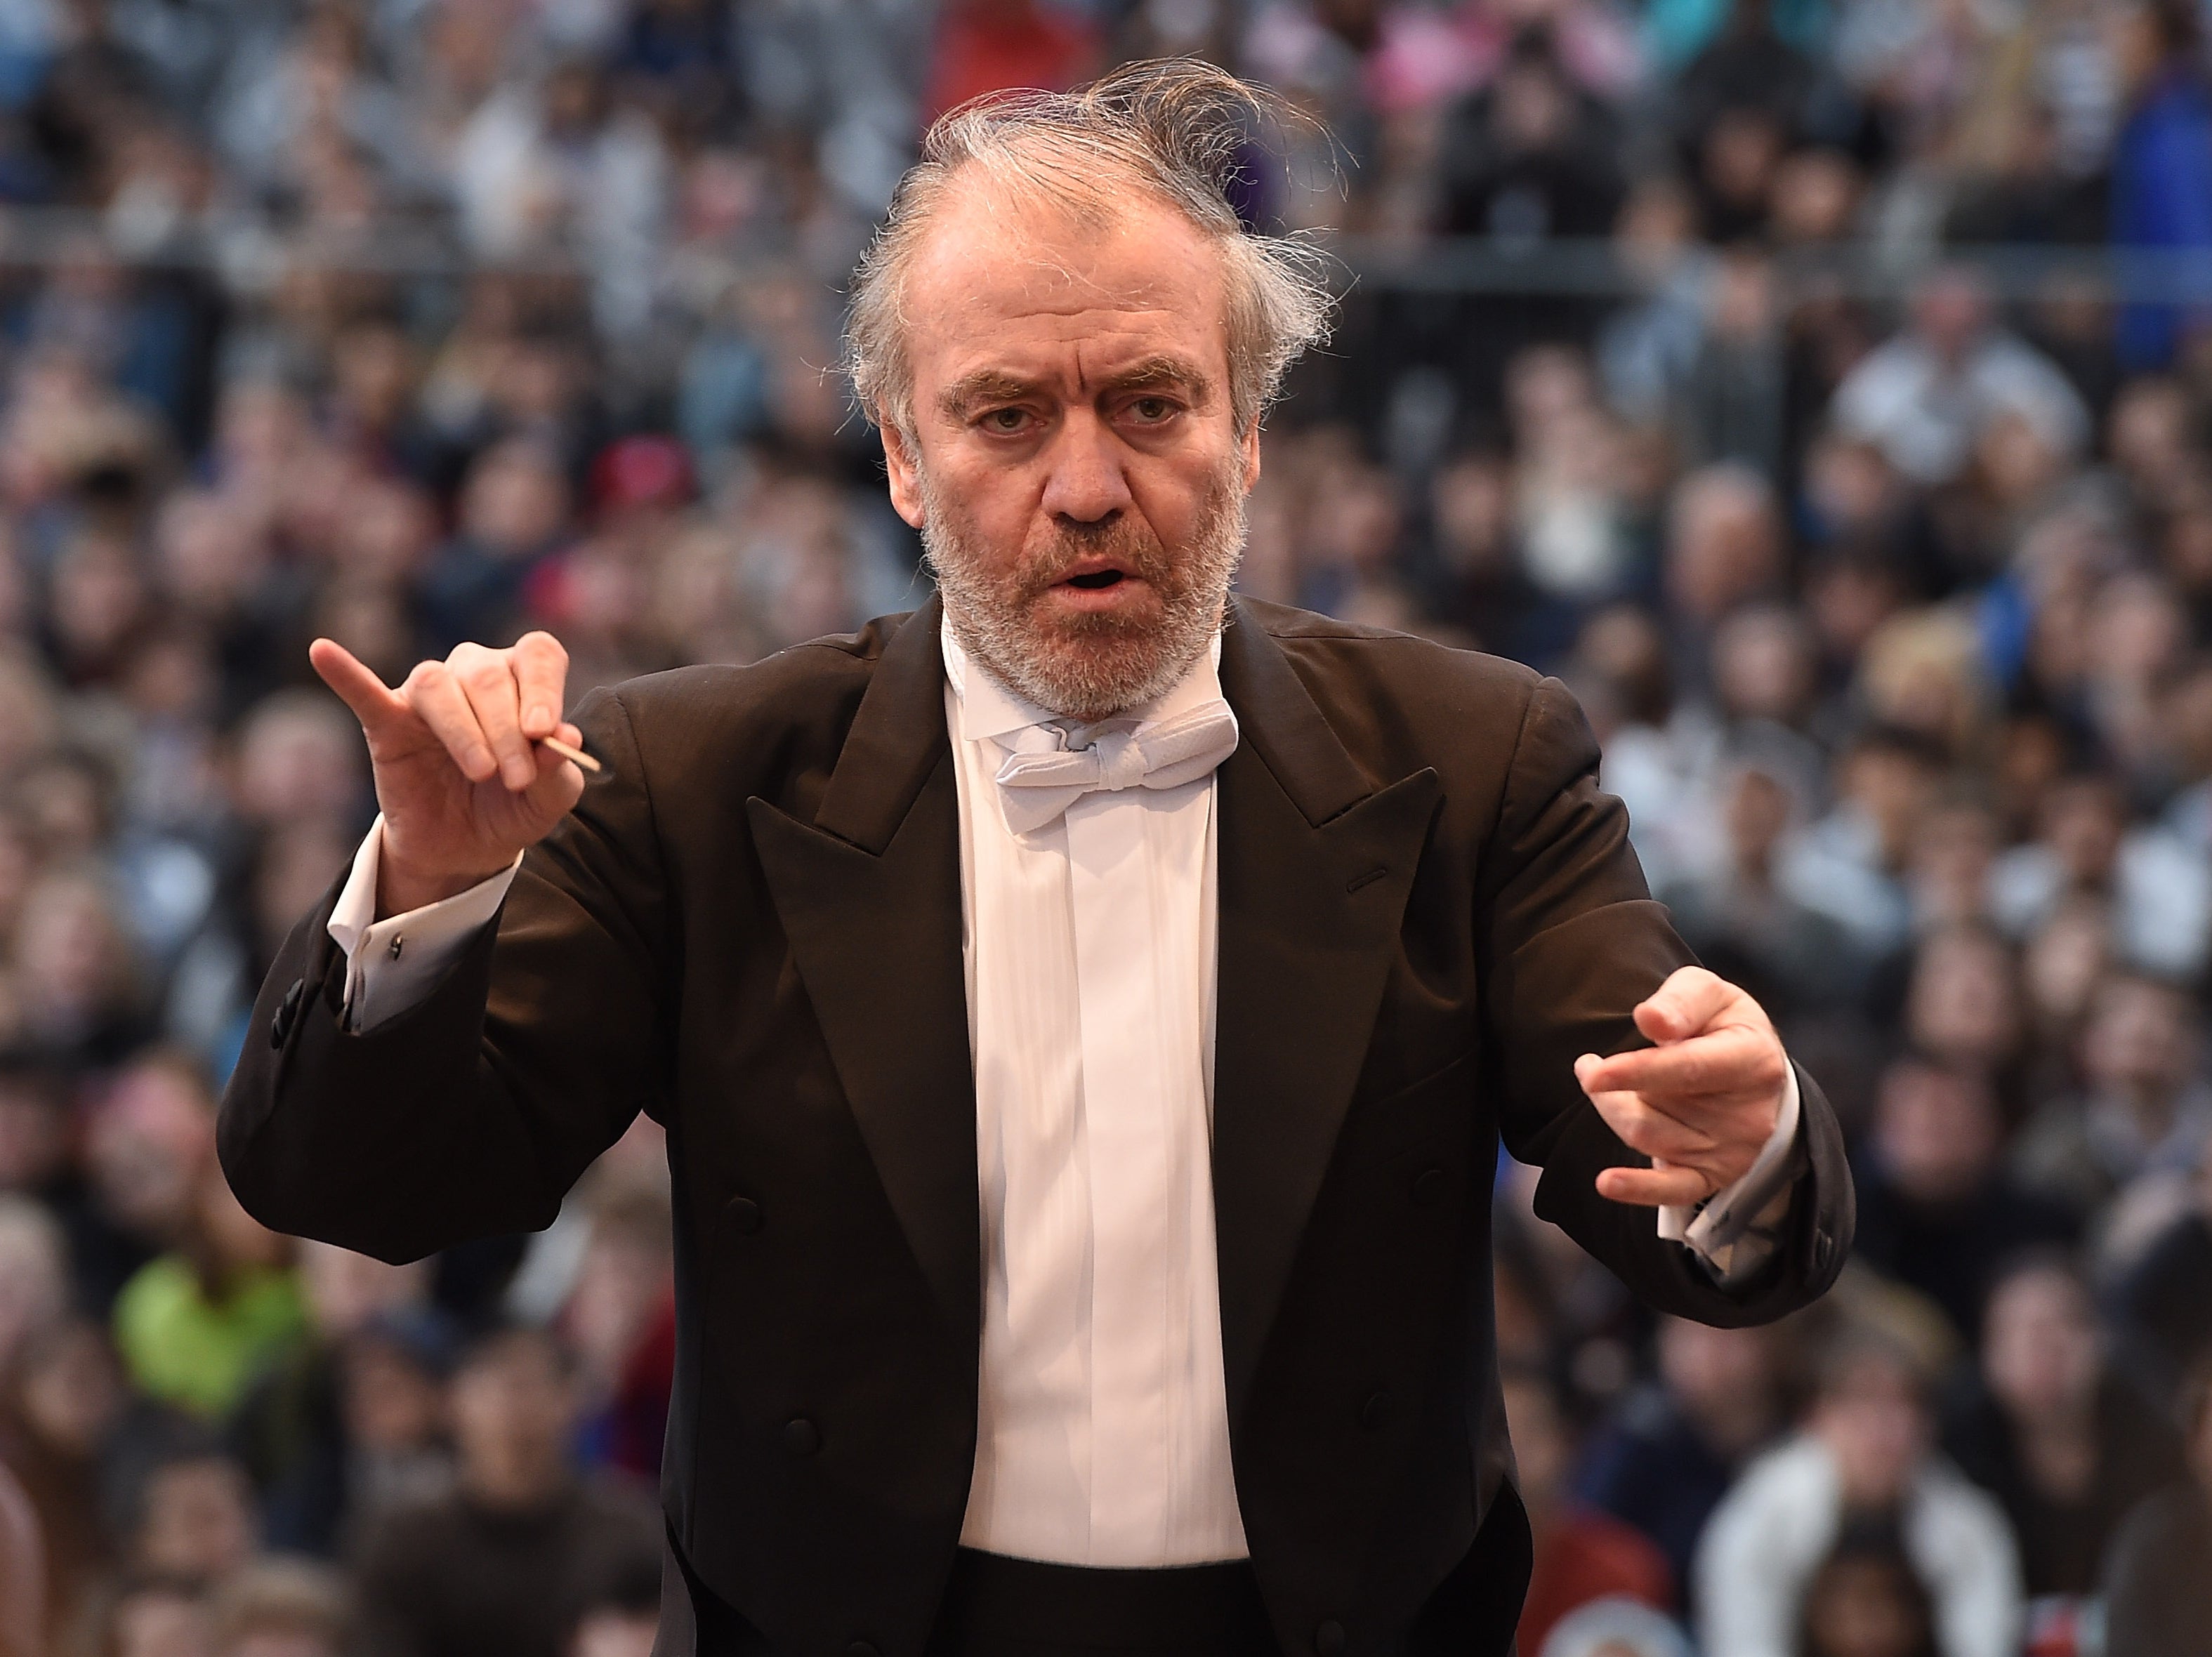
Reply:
x=1689 y=1001
x=1728 y=1061
x=373 y=702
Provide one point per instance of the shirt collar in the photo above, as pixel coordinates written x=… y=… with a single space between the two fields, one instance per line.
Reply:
x=989 y=708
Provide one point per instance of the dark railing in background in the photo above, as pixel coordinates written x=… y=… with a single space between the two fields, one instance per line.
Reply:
x=247 y=252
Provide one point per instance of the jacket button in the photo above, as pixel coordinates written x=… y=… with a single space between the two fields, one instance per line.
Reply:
x=280 y=1025
x=1375 y=1414
x=1429 y=1190
x=744 y=1214
x=1824 y=1246
x=801 y=1437
x=1328 y=1639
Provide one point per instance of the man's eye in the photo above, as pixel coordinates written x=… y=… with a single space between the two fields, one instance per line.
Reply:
x=1152 y=410
x=1005 y=420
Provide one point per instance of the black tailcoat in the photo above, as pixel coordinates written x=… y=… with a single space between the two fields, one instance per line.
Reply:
x=751 y=930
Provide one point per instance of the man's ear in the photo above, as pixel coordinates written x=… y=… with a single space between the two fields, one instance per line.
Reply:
x=1251 y=447
x=902 y=466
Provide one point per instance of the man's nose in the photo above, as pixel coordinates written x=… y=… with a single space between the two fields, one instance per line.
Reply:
x=1086 y=483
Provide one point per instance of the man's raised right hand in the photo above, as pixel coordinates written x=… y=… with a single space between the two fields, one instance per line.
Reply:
x=460 y=776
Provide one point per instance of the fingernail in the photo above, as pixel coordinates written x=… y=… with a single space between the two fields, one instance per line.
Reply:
x=481 y=763
x=540 y=718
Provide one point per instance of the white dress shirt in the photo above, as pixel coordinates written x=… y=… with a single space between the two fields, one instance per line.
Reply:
x=1103 y=1437
x=1089 y=950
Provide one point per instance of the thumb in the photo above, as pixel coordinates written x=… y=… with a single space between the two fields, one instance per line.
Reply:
x=373 y=703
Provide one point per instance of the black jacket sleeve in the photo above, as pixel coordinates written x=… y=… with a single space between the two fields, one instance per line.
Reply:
x=471 y=1114
x=1571 y=940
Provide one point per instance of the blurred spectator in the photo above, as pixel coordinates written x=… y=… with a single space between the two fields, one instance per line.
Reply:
x=1744 y=925
x=512 y=1558
x=33 y=1277
x=1674 y=1448
x=1938 y=1209
x=990 y=46
x=622 y=1617
x=2049 y=1429
x=151 y=1618
x=195 y=1324
x=342 y=1426
x=514 y=508
x=1531 y=155
x=2162 y=1304
x=2158 y=1577
x=1615 y=1627
x=2145 y=1108
x=280 y=1608
x=1582 y=1555
x=2157 y=889
x=61 y=1421
x=1869 y=1600
x=1927 y=397
x=22 y=1573
x=195 y=1521
x=2161 y=184
x=1866 y=1453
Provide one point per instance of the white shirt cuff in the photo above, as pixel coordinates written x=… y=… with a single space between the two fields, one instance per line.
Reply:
x=394 y=963
x=1715 y=1231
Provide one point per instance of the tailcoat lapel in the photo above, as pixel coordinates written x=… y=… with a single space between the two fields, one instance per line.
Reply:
x=1315 y=864
x=869 y=896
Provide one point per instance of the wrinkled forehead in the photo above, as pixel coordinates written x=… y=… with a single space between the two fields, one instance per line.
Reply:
x=1004 y=269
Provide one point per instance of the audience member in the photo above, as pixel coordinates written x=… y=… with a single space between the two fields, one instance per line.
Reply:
x=280 y=1608
x=1581 y=1554
x=2067 y=1446
x=22 y=1573
x=2158 y=1576
x=1938 y=1209
x=1676 y=1446
x=1866 y=1453
x=509 y=1559
x=1869 y=1600
x=2145 y=1108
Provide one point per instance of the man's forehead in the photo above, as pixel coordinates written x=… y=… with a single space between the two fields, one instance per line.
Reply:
x=1000 y=276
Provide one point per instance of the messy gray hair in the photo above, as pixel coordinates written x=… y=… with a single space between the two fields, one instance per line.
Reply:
x=1178 y=127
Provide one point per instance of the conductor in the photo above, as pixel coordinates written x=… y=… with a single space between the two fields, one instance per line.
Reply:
x=1085 y=1012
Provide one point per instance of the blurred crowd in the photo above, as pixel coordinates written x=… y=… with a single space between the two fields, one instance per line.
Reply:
x=1876 y=542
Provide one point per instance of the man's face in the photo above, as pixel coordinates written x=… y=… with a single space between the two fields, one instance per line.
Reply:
x=512 y=1410
x=1073 y=463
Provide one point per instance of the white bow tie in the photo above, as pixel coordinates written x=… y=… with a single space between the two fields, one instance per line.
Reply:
x=1037 y=786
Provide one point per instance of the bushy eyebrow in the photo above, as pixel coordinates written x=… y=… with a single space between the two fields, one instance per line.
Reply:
x=991 y=386
x=1163 y=372
x=985 y=386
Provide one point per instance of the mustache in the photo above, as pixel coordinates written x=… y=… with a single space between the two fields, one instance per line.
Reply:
x=1128 y=541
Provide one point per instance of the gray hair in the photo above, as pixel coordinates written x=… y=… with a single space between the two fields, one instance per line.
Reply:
x=1178 y=127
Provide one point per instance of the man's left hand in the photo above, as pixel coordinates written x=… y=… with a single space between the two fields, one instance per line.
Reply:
x=1701 y=1101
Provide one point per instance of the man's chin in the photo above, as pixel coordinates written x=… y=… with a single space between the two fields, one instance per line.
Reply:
x=1095 y=666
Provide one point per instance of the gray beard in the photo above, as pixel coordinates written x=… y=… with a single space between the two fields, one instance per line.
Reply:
x=1089 y=667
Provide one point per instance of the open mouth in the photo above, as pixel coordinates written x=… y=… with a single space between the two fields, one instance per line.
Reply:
x=1093 y=580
